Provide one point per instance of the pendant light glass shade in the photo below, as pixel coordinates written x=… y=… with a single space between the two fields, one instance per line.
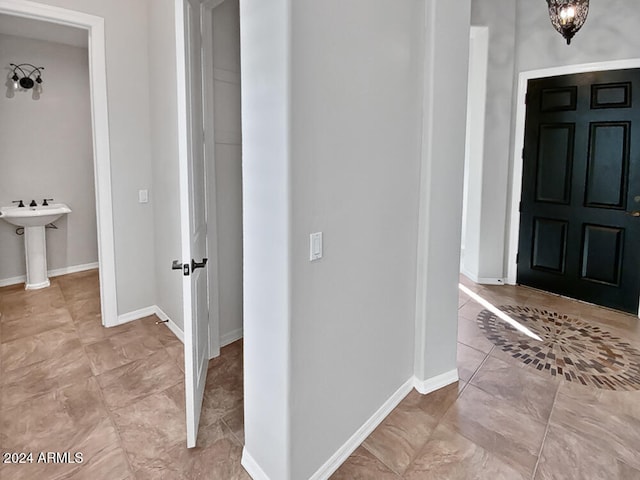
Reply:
x=568 y=16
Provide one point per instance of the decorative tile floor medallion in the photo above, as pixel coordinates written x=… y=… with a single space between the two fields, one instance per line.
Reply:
x=572 y=348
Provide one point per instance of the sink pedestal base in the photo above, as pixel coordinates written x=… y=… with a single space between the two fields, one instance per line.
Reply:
x=35 y=249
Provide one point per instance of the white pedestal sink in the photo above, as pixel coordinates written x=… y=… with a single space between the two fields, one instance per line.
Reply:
x=34 y=220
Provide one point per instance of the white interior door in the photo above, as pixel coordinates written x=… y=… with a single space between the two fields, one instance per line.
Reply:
x=193 y=218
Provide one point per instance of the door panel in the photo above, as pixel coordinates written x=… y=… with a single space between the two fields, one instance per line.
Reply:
x=555 y=156
x=611 y=95
x=549 y=245
x=608 y=165
x=558 y=99
x=194 y=225
x=581 y=181
x=602 y=254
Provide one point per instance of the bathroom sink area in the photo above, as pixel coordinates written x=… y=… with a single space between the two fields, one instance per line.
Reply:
x=34 y=219
x=38 y=216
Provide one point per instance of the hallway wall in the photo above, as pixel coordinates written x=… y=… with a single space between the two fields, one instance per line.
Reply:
x=500 y=17
x=126 y=31
x=45 y=154
x=338 y=121
x=164 y=150
x=355 y=169
x=610 y=33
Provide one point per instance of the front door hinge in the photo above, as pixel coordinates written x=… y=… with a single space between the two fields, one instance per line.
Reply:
x=517 y=257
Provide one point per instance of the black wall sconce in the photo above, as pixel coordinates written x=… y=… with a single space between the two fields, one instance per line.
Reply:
x=25 y=77
x=568 y=16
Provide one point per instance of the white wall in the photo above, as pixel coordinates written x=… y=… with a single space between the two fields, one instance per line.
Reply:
x=266 y=197
x=228 y=166
x=46 y=152
x=474 y=152
x=356 y=77
x=164 y=150
x=610 y=33
x=443 y=143
x=128 y=96
x=332 y=113
x=500 y=17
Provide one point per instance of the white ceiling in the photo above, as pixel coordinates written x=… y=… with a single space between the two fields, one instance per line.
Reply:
x=39 y=30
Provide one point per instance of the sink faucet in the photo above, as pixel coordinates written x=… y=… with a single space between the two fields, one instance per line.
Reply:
x=33 y=203
x=19 y=202
x=46 y=201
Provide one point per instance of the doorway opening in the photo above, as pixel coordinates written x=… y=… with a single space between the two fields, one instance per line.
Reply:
x=474 y=153
x=210 y=179
x=223 y=164
x=94 y=28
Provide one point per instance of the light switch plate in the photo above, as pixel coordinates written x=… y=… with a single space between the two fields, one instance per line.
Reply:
x=315 y=246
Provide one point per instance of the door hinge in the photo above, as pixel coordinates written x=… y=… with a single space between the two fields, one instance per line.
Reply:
x=520 y=206
x=523 y=153
x=518 y=257
x=526 y=98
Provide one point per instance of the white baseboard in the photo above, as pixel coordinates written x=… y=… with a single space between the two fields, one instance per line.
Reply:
x=146 y=312
x=435 y=383
x=73 y=269
x=231 y=337
x=5 y=282
x=482 y=280
x=338 y=458
x=135 y=315
x=252 y=467
x=171 y=325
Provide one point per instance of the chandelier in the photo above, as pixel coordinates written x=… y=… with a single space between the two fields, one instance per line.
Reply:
x=568 y=16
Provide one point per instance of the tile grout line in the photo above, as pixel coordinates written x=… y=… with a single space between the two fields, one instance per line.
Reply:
x=378 y=459
x=475 y=372
x=102 y=397
x=437 y=424
x=115 y=425
x=231 y=432
x=435 y=427
x=116 y=430
x=546 y=431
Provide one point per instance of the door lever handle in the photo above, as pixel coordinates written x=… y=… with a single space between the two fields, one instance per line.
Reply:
x=195 y=264
x=176 y=265
x=634 y=214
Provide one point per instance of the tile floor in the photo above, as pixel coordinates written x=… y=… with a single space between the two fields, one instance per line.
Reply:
x=116 y=395
x=506 y=420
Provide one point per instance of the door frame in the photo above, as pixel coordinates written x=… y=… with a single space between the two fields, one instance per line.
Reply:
x=94 y=26
x=209 y=159
x=474 y=153
x=516 y=171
